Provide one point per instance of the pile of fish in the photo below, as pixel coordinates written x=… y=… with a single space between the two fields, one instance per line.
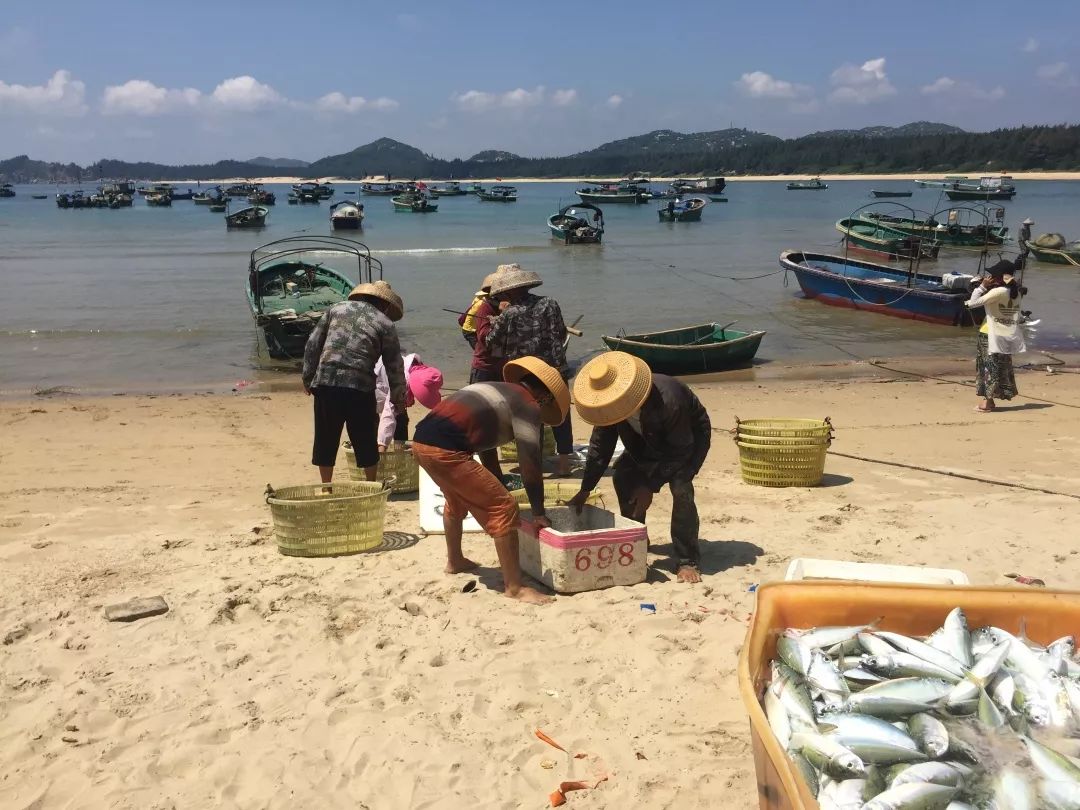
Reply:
x=875 y=720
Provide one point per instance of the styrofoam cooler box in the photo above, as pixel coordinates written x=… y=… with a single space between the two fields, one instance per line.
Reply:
x=803 y=568
x=596 y=549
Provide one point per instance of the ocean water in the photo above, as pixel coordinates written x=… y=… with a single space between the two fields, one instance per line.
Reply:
x=153 y=298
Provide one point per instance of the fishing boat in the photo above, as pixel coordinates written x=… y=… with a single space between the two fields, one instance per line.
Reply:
x=876 y=238
x=39 y=196
x=703 y=185
x=690 y=349
x=962 y=227
x=381 y=189
x=240 y=190
x=292 y=199
x=450 y=189
x=714 y=198
x=500 y=193
x=578 y=224
x=219 y=207
x=880 y=194
x=688 y=210
x=156 y=199
x=415 y=202
x=813 y=184
x=183 y=195
x=293 y=281
x=947 y=182
x=7 y=190
x=260 y=196
x=209 y=197
x=476 y=188
x=1052 y=248
x=988 y=188
x=309 y=193
x=845 y=282
x=251 y=217
x=346 y=215
x=622 y=192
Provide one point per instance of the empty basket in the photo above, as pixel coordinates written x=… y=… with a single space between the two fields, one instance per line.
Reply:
x=323 y=520
x=783 y=452
x=397 y=463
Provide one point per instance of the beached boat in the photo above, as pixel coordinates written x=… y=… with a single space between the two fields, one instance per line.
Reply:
x=703 y=185
x=157 y=199
x=499 y=193
x=691 y=349
x=346 y=215
x=988 y=188
x=251 y=217
x=963 y=227
x=877 y=238
x=381 y=189
x=856 y=284
x=261 y=196
x=1070 y=254
x=581 y=223
x=417 y=203
x=7 y=190
x=619 y=193
x=878 y=193
x=813 y=184
x=293 y=281
x=449 y=189
x=688 y=210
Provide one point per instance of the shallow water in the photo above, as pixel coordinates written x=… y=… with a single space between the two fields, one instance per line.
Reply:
x=153 y=298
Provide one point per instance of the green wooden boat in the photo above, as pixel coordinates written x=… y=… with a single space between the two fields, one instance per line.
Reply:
x=416 y=203
x=1052 y=256
x=690 y=349
x=874 y=236
x=952 y=232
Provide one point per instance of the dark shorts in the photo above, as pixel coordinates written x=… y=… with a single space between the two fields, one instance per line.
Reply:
x=345 y=407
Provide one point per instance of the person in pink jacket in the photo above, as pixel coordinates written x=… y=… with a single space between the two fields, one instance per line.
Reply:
x=424 y=384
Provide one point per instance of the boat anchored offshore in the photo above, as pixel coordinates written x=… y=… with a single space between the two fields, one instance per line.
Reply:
x=877 y=239
x=880 y=194
x=346 y=215
x=450 y=189
x=1051 y=248
x=501 y=193
x=251 y=217
x=690 y=349
x=988 y=188
x=293 y=281
x=703 y=185
x=416 y=202
x=623 y=192
x=578 y=224
x=813 y=184
x=688 y=210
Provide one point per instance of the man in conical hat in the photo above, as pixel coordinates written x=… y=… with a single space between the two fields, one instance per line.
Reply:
x=476 y=420
x=666 y=433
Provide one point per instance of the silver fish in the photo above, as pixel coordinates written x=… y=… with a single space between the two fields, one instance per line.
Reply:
x=1029 y=699
x=913 y=796
x=1053 y=766
x=929 y=734
x=939 y=773
x=806 y=770
x=824 y=637
x=1013 y=792
x=872 y=740
x=828 y=756
x=905 y=665
x=824 y=676
x=795 y=652
x=924 y=651
x=900 y=698
x=965 y=694
x=954 y=638
x=1060 y=795
x=844 y=795
x=795 y=699
x=1003 y=690
x=874 y=645
x=989 y=714
x=777 y=715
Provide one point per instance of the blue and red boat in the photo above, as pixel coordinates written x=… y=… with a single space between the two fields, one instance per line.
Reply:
x=846 y=282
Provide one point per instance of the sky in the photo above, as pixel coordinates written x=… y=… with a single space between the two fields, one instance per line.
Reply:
x=198 y=81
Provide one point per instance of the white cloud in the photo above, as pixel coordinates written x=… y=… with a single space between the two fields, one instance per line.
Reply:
x=340 y=103
x=1057 y=74
x=140 y=97
x=61 y=95
x=479 y=100
x=245 y=94
x=564 y=98
x=946 y=86
x=1031 y=46
x=614 y=101
x=861 y=84
x=759 y=84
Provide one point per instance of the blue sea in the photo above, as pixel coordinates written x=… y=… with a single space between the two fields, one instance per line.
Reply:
x=144 y=298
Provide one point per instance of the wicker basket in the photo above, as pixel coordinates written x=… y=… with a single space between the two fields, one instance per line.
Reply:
x=397 y=462
x=323 y=520
x=783 y=452
x=557 y=493
x=508 y=451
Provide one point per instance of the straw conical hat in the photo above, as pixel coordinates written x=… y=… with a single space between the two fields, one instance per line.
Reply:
x=384 y=292
x=489 y=279
x=506 y=280
x=554 y=413
x=611 y=387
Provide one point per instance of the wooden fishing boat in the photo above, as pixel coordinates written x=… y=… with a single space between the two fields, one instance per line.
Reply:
x=1070 y=254
x=688 y=210
x=703 y=185
x=293 y=281
x=878 y=193
x=948 y=181
x=381 y=189
x=39 y=196
x=500 y=193
x=690 y=349
x=856 y=284
x=211 y=196
x=183 y=195
x=578 y=224
x=874 y=237
x=961 y=228
x=346 y=215
x=240 y=190
x=7 y=190
x=251 y=217
x=450 y=189
x=622 y=192
x=988 y=188
x=219 y=207
x=476 y=188
x=415 y=203
x=261 y=196
x=814 y=184
x=158 y=199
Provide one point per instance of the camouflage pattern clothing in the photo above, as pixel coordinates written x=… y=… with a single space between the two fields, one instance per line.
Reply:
x=345 y=346
x=534 y=328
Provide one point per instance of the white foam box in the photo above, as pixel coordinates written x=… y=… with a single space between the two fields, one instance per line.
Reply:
x=587 y=552
x=808 y=568
x=431 y=504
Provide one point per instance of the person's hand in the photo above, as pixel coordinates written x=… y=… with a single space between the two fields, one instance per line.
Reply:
x=578 y=501
x=641 y=500
x=382 y=448
x=307 y=390
x=541 y=521
x=503 y=305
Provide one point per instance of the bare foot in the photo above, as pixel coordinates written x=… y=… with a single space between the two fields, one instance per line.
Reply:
x=461 y=566
x=530 y=596
x=687 y=573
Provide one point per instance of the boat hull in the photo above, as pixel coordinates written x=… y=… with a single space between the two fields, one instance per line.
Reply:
x=608 y=199
x=680 y=216
x=861 y=286
x=955 y=235
x=1050 y=256
x=571 y=238
x=345 y=223
x=980 y=195
x=690 y=350
x=887 y=194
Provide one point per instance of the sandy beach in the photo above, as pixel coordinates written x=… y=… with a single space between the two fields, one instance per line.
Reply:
x=280 y=682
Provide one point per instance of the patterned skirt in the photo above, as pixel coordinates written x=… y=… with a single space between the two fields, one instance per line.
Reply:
x=993 y=373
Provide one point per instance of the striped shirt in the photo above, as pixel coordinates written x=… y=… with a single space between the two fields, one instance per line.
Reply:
x=483 y=416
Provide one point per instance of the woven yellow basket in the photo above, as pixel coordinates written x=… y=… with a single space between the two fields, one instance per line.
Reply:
x=783 y=452
x=508 y=451
x=324 y=520
x=756 y=429
x=556 y=493
x=397 y=463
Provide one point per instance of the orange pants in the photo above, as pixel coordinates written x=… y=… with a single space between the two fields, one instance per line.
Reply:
x=469 y=488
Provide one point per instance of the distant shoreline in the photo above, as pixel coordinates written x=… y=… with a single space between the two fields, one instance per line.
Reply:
x=778 y=178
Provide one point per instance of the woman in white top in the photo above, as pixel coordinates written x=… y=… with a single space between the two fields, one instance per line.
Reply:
x=1000 y=336
x=424 y=385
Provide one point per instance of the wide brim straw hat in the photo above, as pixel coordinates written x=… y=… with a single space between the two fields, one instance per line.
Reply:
x=1028 y=221
x=507 y=280
x=384 y=292
x=611 y=387
x=554 y=412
